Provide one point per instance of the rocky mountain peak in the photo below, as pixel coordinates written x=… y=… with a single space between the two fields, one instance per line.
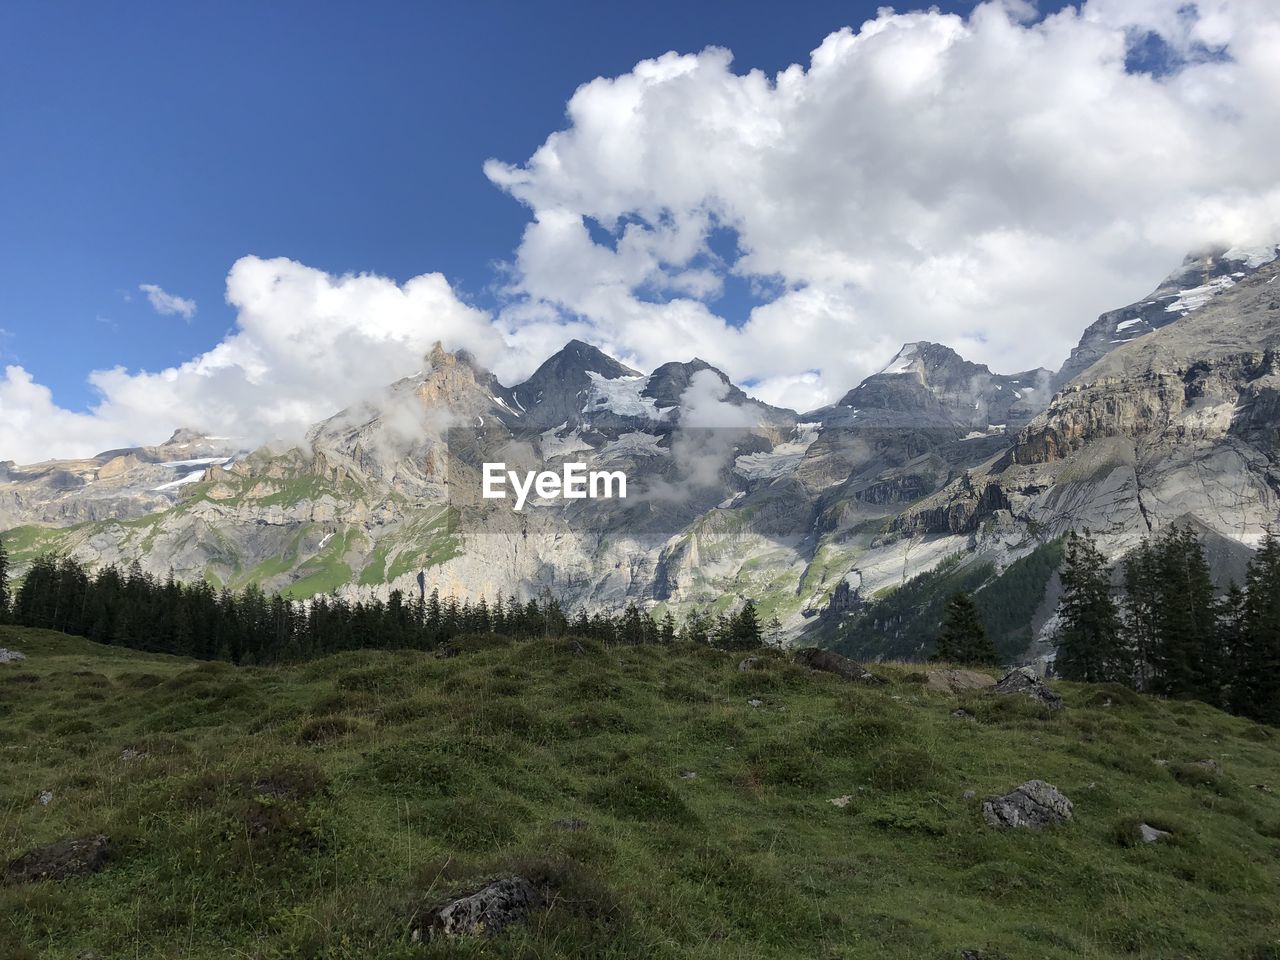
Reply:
x=668 y=382
x=1199 y=280
x=934 y=384
x=556 y=391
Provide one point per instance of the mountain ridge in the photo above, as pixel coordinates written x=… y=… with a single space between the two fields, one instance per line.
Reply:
x=810 y=514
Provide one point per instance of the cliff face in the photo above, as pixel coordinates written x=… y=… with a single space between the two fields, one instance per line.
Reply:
x=1178 y=423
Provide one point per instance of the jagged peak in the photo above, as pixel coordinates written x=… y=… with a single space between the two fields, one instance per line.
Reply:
x=578 y=356
x=929 y=356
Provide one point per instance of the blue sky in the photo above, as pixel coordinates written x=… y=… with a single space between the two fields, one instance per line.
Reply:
x=157 y=143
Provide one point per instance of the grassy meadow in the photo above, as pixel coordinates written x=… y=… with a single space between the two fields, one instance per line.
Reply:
x=311 y=812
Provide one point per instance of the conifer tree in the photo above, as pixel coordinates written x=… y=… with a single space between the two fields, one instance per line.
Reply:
x=744 y=630
x=1186 y=656
x=4 y=583
x=964 y=636
x=1089 y=643
x=1258 y=695
x=1142 y=603
x=1231 y=620
x=667 y=632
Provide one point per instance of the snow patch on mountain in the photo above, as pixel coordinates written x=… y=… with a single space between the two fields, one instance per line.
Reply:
x=1197 y=297
x=622 y=396
x=633 y=445
x=1253 y=257
x=782 y=459
x=902 y=362
x=553 y=444
x=192 y=477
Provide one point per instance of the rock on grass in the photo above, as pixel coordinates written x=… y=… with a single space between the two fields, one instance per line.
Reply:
x=483 y=913
x=74 y=857
x=1025 y=681
x=817 y=659
x=954 y=681
x=1033 y=805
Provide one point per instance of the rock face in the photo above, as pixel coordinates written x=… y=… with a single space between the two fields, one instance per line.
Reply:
x=1201 y=277
x=76 y=857
x=954 y=681
x=828 y=662
x=485 y=912
x=1033 y=805
x=1172 y=418
x=1026 y=682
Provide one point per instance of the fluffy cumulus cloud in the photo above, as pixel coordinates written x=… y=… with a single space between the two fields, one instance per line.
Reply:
x=306 y=344
x=993 y=182
x=167 y=304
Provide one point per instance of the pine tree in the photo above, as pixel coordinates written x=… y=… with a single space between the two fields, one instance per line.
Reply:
x=1258 y=692
x=744 y=631
x=1186 y=655
x=1089 y=644
x=773 y=631
x=697 y=627
x=4 y=583
x=1142 y=602
x=1231 y=619
x=964 y=636
x=667 y=632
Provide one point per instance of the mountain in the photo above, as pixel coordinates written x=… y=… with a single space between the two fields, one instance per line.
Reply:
x=932 y=467
x=1200 y=278
x=1176 y=422
x=565 y=384
x=116 y=484
x=930 y=384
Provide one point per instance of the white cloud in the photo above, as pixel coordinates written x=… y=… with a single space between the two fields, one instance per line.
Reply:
x=992 y=182
x=306 y=344
x=989 y=182
x=167 y=304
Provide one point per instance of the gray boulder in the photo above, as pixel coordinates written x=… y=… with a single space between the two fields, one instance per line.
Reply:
x=11 y=656
x=74 y=857
x=1025 y=681
x=750 y=663
x=487 y=911
x=954 y=681
x=816 y=658
x=1152 y=834
x=1034 y=805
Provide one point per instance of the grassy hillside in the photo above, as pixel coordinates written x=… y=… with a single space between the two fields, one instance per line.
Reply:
x=306 y=812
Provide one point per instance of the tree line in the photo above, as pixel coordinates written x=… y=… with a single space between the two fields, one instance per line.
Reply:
x=1169 y=632
x=1166 y=631
x=135 y=609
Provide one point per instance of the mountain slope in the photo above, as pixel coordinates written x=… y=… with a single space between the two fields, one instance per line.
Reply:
x=310 y=810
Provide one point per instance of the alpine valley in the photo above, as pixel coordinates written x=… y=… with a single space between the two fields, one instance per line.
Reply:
x=850 y=524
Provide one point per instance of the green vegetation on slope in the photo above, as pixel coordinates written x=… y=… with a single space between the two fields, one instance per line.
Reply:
x=304 y=812
x=904 y=623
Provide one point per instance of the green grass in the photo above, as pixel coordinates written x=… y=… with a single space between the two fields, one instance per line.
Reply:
x=24 y=544
x=305 y=812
